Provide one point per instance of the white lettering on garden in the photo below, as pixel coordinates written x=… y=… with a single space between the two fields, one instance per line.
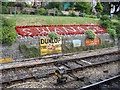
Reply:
x=43 y=30
x=80 y=29
x=66 y=29
x=89 y=27
x=24 y=30
x=98 y=28
x=58 y=30
x=48 y=29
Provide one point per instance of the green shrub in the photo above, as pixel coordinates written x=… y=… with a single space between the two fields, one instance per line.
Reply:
x=117 y=25
x=5 y=10
x=53 y=35
x=41 y=11
x=28 y=5
x=29 y=52
x=27 y=12
x=90 y=34
x=71 y=14
x=23 y=11
x=112 y=33
x=105 y=17
x=17 y=12
x=105 y=24
x=8 y=31
x=98 y=14
x=115 y=17
x=90 y=16
x=59 y=13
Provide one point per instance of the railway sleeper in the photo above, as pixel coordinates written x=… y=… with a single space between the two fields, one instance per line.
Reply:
x=36 y=79
x=73 y=76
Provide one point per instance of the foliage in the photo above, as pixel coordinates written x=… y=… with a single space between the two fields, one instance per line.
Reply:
x=58 y=5
x=106 y=8
x=112 y=33
x=26 y=12
x=98 y=14
x=117 y=26
x=105 y=24
x=83 y=6
x=17 y=12
x=90 y=34
x=8 y=3
x=105 y=21
x=90 y=16
x=99 y=7
x=28 y=5
x=8 y=31
x=5 y=10
x=105 y=17
x=19 y=4
x=115 y=17
x=41 y=11
x=29 y=52
x=53 y=35
x=59 y=13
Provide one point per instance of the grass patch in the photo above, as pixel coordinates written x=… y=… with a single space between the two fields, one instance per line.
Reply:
x=50 y=20
x=29 y=52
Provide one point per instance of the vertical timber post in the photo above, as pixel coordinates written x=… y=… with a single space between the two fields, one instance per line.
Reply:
x=15 y=11
x=54 y=11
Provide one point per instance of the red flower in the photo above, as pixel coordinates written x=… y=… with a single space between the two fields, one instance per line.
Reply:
x=38 y=34
x=27 y=34
x=44 y=34
x=31 y=35
x=41 y=34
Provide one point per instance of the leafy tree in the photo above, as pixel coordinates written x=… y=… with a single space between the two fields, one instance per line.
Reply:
x=90 y=34
x=5 y=10
x=20 y=4
x=83 y=6
x=8 y=3
x=58 y=5
x=8 y=31
x=105 y=17
x=106 y=8
x=99 y=7
x=53 y=35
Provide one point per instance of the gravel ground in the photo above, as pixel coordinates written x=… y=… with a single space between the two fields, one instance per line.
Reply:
x=90 y=74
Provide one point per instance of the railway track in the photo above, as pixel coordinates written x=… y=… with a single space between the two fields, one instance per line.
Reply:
x=11 y=76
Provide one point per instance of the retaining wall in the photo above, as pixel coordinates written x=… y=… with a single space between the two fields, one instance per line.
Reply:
x=13 y=50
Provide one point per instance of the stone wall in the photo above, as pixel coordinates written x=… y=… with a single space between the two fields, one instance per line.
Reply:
x=13 y=50
x=68 y=39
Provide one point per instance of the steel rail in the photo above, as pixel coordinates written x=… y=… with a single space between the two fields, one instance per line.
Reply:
x=58 y=61
x=98 y=83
